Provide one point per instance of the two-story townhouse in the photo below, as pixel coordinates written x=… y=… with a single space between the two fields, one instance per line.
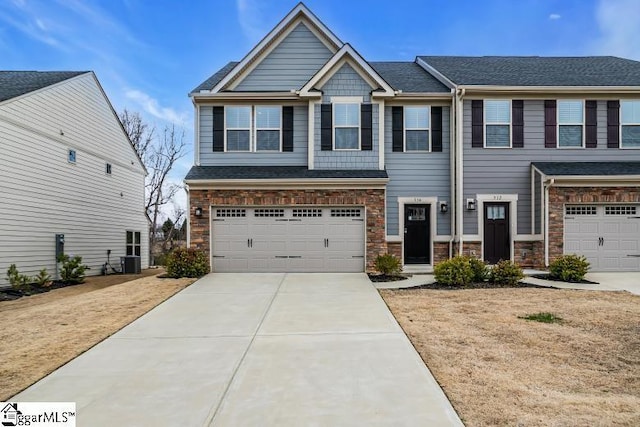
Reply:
x=549 y=157
x=310 y=158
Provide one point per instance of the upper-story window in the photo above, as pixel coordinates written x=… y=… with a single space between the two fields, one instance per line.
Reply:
x=253 y=128
x=346 y=126
x=416 y=129
x=571 y=124
x=630 y=124
x=238 y=128
x=268 y=122
x=497 y=119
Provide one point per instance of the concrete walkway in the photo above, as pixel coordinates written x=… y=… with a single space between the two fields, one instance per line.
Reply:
x=256 y=350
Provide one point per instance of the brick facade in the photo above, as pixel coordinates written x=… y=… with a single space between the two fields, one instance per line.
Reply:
x=529 y=254
x=559 y=196
x=372 y=200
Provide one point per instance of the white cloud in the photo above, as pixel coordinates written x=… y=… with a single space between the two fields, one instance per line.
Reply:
x=618 y=21
x=152 y=106
x=251 y=19
x=554 y=17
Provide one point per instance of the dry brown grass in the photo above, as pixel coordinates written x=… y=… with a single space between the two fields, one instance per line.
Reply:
x=499 y=370
x=42 y=332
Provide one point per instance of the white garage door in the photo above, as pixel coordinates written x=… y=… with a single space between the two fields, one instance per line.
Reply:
x=609 y=235
x=288 y=239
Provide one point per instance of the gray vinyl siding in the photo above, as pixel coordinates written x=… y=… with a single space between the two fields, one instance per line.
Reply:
x=298 y=157
x=508 y=171
x=290 y=65
x=43 y=194
x=346 y=82
x=418 y=175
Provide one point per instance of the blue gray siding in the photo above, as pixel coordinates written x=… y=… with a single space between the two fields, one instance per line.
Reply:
x=508 y=171
x=290 y=65
x=346 y=82
x=418 y=175
x=296 y=158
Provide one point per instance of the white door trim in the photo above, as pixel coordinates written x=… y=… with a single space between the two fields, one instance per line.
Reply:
x=512 y=199
x=432 y=201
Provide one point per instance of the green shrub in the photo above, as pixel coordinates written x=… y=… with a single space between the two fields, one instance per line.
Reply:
x=160 y=259
x=72 y=270
x=506 y=273
x=456 y=271
x=388 y=264
x=542 y=317
x=17 y=280
x=480 y=270
x=43 y=278
x=569 y=268
x=183 y=262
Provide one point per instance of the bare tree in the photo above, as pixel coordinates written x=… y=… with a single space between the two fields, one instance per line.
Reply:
x=159 y=153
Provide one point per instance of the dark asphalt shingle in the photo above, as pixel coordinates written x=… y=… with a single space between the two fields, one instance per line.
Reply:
x=408 y=77
x=276 y=172
x=537 y=71
x=16 y=83
x=588 y=168
x=215 y=78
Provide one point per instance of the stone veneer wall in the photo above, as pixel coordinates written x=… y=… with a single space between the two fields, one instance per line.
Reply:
x=559 y=196
x=529 y=254
x=372 y=200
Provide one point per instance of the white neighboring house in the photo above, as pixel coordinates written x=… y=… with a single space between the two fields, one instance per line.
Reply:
x=67 y=167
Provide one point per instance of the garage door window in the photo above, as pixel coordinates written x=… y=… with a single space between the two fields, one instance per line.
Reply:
x=630 y=123
x=620 y=210
x=581 y=210
x=301 y=213
x=269 y=212
x=345 y=212
x=230 y=213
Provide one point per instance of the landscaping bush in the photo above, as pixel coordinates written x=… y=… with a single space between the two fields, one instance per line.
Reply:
x=17 y=280
x=388 y=264
x=480 y=270
x=506 y=273
x=43 y=278
x=569 y=268
x=183 y=262
x=456 y=271
x=72 y=270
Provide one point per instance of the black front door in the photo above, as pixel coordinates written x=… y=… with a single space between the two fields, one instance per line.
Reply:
x=497 y=245
x=416 y=234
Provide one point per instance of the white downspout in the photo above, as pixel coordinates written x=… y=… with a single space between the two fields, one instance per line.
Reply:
x=459 y=174
x=188 y=216
x=546 y=221
x=452 y=172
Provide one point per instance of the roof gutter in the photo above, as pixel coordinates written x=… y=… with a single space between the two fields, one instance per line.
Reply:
x=347 y=183
x=222 y=96
x=553 y=89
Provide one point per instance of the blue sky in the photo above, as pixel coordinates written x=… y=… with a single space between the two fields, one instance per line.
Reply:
x=148 y=54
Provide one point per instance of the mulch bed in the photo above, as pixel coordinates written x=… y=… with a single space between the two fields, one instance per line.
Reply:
x=481 y=285
x=385 y=278
x=554 y=279
x=10 y=294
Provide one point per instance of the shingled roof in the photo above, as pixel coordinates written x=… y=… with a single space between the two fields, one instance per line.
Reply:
x=277 y=172
x=588 y=168
x=212 y=81
x=537 y=70
x=16 y=83
x=408 y=77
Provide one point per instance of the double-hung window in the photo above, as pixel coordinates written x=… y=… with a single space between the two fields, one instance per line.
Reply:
x=133 y=243
x=268 y=123
x=571 y=124
x=497 y=119
x=416 y=129
x=630 y=124
x=238 y=127
x=346 y=125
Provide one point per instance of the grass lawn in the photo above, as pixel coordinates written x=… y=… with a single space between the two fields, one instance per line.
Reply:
x=42 y=332
x=529 y=357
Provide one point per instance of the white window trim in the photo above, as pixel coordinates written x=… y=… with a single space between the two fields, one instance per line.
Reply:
x=226 y=129
x=404 y=129
x=133 y=243
x=254 y=112
x=485 y=124
x=621 y=146
x=345 y=101
x=558 y=124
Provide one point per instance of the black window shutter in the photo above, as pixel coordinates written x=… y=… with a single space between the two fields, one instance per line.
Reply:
x=287 y=128
x=613 y=124
x=591 y=122
x=517 y=123
x=436 y=129
x=477 y=125
x=326 y=140
x=218 y=128
x=366 y=136
x=550 y=123
x=397 y=129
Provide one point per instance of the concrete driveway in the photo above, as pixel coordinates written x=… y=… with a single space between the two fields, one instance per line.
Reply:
x=256 y=350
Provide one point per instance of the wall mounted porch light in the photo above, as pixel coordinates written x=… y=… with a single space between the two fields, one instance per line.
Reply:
x=444 y=207
x=471 y=204
x=198 y=212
